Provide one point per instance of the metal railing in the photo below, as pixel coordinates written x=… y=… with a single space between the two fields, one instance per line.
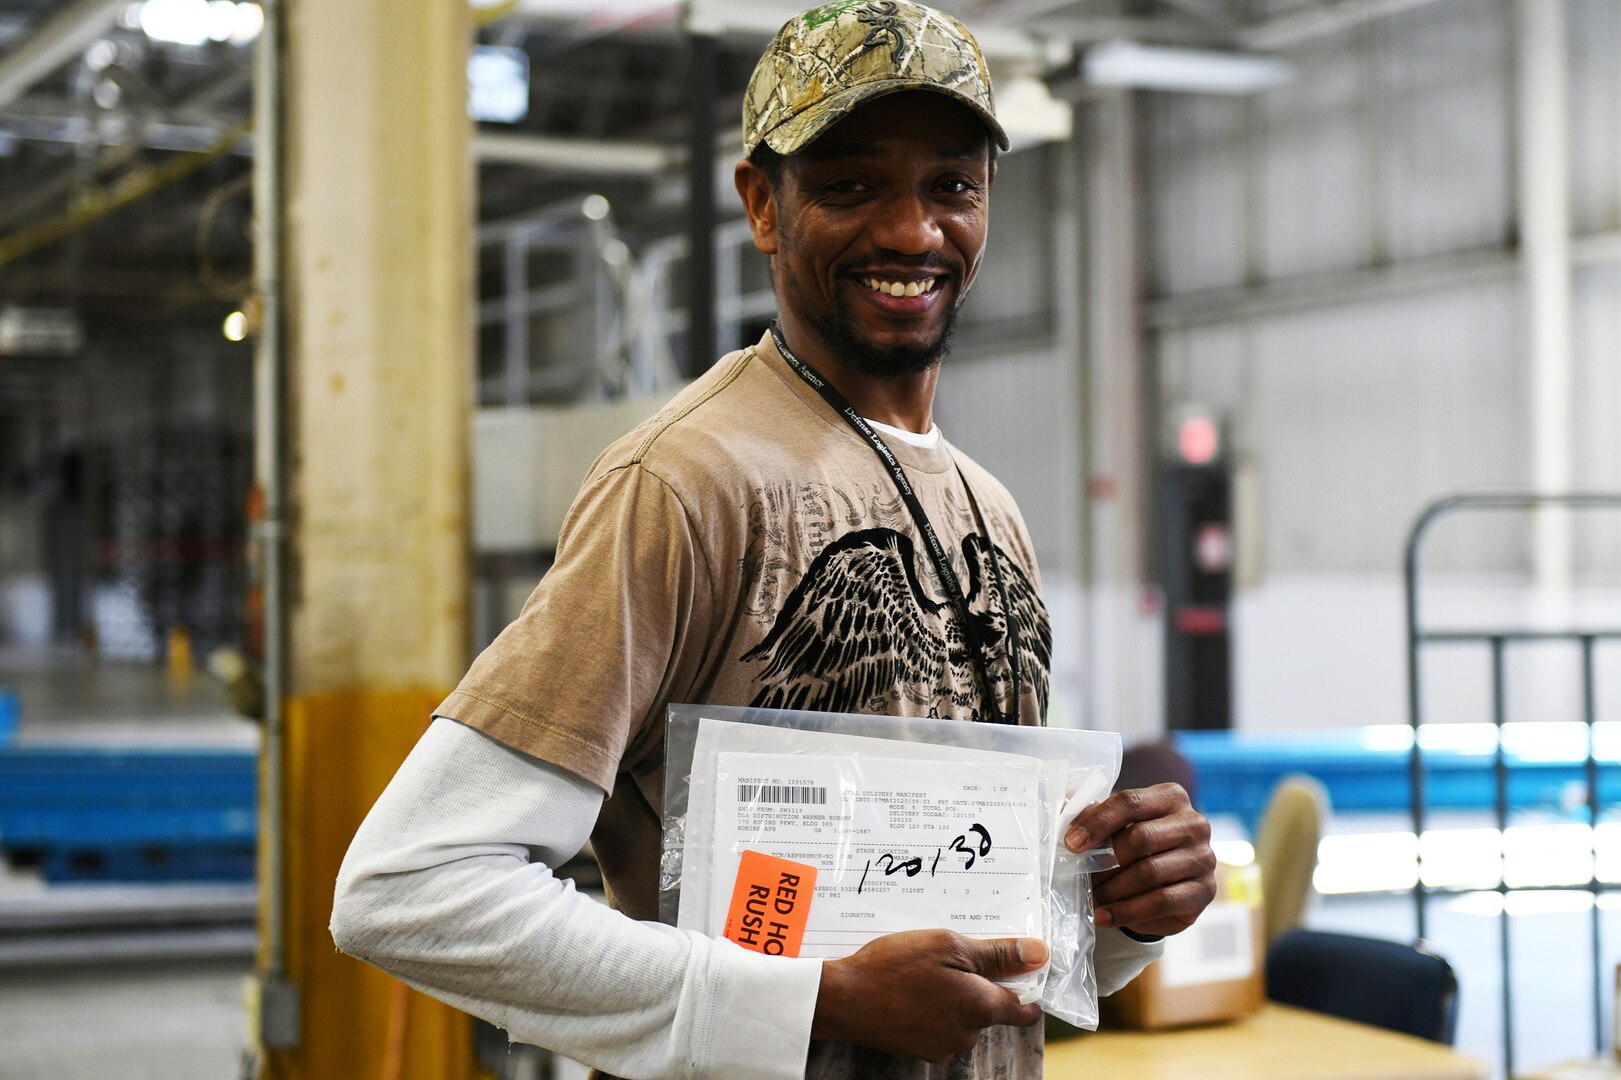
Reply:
x=1498 y=640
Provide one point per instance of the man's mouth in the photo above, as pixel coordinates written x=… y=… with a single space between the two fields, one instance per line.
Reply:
x=915 y=286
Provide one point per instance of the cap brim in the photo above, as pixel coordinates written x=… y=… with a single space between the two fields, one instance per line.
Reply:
x=797 y=132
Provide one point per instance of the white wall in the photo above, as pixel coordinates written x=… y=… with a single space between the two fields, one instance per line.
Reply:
x=1355 y=395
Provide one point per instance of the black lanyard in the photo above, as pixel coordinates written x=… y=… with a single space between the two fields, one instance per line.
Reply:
x=931 y=540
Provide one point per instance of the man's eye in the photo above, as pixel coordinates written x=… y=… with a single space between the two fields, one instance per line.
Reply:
x=957 y=186
x=845 y=187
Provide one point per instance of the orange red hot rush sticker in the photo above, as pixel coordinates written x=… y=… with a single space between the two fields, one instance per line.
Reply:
x=770 y=904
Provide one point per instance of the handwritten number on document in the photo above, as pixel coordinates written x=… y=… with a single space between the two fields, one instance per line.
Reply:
x=891 y=863
x=984 y=844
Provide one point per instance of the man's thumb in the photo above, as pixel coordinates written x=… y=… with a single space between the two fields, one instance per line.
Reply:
x=1007 y=956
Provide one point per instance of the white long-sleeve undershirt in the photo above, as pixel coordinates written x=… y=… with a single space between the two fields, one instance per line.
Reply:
x=448 y=887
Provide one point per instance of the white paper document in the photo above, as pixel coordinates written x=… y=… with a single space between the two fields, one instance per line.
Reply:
x=898 y=843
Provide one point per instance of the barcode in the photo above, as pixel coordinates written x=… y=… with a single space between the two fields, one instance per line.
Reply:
x=1219 y=941
x=780 y=793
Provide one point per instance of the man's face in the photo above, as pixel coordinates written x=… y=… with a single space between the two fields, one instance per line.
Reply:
x=893 y=198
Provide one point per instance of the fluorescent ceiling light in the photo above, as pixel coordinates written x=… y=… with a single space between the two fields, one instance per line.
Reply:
x=181 y=22
x=1030 y=114
x=221 y=19
x=594 y=12
x=498 y=84
x=250 y=20
x=1191 y=71
x=197 y=22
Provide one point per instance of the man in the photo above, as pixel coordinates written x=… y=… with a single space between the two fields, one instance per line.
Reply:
x=766 y=539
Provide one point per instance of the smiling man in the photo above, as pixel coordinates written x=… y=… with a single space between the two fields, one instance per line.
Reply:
x=791 y=531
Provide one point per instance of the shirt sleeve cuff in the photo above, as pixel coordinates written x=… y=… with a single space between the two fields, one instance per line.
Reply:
x=1120 y=959
x=764 y=1005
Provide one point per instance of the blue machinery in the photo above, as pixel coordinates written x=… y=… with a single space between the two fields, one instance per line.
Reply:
x=89 y=814
x=1504 y=775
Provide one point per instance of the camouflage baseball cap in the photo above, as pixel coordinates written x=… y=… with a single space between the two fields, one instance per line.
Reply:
x=826 y=62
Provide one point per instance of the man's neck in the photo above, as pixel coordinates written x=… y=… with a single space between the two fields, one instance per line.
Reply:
x=905 y=402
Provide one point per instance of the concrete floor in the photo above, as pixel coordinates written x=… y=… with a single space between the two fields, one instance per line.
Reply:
x=68 y=698
x=141 y=1022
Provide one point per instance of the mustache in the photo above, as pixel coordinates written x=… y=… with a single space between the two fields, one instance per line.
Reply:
x=933 y=261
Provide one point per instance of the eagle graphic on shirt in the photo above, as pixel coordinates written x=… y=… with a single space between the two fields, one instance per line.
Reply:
x=860 y=627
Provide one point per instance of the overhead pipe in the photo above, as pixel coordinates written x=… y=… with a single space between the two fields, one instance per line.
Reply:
x=578 y=156
x=191 y=110
x=1319 y=292
x=131 y=188
x=1317 y=21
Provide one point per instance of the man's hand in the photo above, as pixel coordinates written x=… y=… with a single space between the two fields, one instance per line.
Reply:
x=1167 y=872
x=925 y=993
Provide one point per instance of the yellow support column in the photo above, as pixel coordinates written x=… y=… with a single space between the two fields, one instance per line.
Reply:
x=378 y=264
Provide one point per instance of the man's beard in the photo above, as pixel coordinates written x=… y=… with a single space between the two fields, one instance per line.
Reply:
x=872 y=360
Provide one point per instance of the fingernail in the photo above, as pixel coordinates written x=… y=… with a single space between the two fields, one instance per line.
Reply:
x=1032 y=951
x=1077 y=839
x=1103 y=918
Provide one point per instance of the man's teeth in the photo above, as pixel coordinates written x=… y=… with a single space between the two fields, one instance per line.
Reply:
x=901 y=288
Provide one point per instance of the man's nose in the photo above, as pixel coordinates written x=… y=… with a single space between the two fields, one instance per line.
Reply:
x=906 y=224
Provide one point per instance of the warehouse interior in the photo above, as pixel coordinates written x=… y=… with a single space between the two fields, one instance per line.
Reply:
x=1298 y=343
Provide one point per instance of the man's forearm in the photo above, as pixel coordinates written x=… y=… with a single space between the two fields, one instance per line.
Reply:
x=438 y=889
x=555 y=968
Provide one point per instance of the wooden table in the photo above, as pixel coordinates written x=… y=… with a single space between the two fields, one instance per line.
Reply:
x=1277 y=1043
x=1593 y=1069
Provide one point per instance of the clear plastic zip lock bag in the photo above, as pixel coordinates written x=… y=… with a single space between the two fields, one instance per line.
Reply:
x=813 y=833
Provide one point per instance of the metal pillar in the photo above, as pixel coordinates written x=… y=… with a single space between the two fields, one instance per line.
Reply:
x=378 y=243
x=279 y=1004
x=1123 y=661
x=702 y=56
x=1543 y=160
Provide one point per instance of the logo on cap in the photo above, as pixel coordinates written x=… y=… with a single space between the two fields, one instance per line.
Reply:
x=883 y=19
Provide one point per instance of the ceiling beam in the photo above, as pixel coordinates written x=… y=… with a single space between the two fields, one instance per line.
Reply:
x=1320 y=20
x=174 y=280
x=78 y=130
x=59 y=39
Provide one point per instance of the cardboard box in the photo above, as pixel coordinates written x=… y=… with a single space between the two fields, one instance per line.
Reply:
x=1212 y=971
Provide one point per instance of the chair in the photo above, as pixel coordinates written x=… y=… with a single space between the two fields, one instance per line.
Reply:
x=1286 y=851
x=1398 y=987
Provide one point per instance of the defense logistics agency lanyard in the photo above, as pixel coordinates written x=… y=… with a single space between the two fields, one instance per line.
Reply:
x=937 y=552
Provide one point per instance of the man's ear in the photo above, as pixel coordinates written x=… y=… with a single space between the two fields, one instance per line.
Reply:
x=759 y=203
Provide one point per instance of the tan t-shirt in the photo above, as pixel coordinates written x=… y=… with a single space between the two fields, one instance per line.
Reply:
x=746 y=547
